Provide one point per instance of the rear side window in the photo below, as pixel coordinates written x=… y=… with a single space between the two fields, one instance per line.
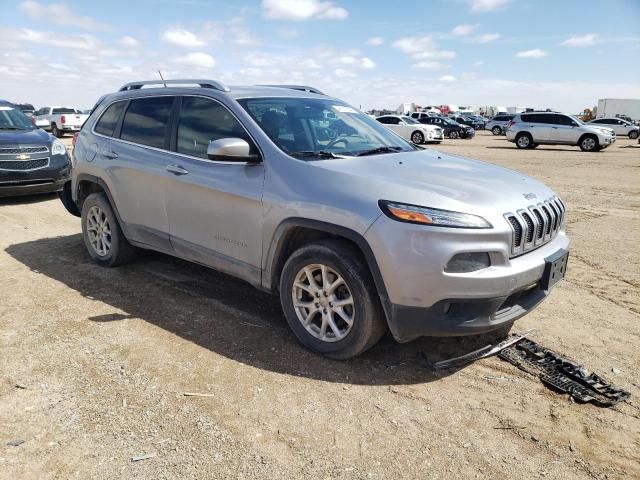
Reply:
x=109 y=119
x=201 y=121
x=146 y=121
x=58 y=111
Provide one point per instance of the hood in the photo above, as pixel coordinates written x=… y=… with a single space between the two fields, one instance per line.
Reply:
x=605 y=130
x=14 y=138
x=428 y=128
x=433 y=179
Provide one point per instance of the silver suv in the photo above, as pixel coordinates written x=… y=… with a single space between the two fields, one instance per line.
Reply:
x=497 y=124
x=528 y=130
x=304 y=196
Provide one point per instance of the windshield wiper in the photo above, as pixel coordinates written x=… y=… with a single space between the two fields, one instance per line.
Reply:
x=374 y=151
x=314 y=153
x=14 y=128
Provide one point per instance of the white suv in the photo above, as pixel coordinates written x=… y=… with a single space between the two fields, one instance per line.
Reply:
x=411 y=129
x=528 y=130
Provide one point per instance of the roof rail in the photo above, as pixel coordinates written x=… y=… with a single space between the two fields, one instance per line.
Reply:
x=302 y=88
x=202 y=83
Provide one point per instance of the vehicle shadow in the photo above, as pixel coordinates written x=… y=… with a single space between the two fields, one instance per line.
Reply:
x=27 y=199
x=226 y=315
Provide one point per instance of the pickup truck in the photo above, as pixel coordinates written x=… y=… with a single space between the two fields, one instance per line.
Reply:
x=60 y=120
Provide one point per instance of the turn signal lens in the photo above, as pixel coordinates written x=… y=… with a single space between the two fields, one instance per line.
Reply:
x=431 y=216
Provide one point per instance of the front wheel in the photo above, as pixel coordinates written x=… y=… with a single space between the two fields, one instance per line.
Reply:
x=417 y=138
x=589 y=143
x=453 y=134
x=633 y=135
x=496 y=131
x=330 y=301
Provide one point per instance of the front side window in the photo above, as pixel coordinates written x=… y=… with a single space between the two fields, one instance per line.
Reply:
x=311 y=127
x=201 y=121
x=109 y=119
x=147 y=121
x=410 y=121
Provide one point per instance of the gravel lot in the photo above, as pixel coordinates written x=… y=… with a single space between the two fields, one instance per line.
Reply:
x=94 y=363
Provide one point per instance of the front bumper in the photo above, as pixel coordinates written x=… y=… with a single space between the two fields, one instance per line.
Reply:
x=468 y=133
x=42 y=180
x=424 y=300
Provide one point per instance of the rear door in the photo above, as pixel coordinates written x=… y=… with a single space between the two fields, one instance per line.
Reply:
x=135 y=162
x=214 y=207
x=539 y=125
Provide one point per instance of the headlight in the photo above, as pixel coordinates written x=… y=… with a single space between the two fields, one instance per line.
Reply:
x=58 y=148
x=431 y=216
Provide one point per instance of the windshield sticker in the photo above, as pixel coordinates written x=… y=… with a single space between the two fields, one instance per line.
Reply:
x=344 y=109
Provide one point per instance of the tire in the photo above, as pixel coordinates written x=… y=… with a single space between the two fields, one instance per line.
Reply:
x=524 y=140
x=67 y=200
x=339 y=258
x=119 y=251
x=589 y=143
x=55 y=131
x=496 y=130
x=453 y=134
x=633 y=135
x=417 y=137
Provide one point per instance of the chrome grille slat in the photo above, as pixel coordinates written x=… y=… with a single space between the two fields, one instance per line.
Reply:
x=536 y=225
x=19 y=150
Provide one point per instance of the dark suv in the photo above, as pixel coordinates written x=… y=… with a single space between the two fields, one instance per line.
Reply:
x=31 y=160
x=451 y=128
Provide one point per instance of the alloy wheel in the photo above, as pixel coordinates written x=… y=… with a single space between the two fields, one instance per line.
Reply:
x=99 y=231
x=323 y=302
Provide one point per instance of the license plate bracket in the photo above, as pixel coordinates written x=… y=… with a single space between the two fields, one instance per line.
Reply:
x=555 y=269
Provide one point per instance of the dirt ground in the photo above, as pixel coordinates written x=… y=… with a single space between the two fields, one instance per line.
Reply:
x=94 y=362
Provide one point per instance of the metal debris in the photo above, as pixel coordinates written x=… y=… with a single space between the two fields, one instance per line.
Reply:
x=562 y=374
x=144 y=456
x=196 y=394
x=16 y=443
x=480 y=353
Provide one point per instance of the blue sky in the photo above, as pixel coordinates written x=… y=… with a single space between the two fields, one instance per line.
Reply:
x=559 y=54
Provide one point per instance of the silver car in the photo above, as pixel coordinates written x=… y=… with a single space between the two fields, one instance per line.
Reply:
x=528 y=130
x=300 y=194
x=618 y=125
x=498 y=123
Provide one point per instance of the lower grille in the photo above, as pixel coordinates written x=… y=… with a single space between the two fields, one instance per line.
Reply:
x=22 y=165
x=536 y=225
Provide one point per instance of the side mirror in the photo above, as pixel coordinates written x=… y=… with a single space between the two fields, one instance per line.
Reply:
x=231 y=150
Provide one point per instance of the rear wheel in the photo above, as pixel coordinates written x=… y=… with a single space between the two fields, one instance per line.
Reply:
x=524 y=140
x=101 y=233
x=496 y=130
x=330 y=301
x=633 y=135
x=417 y=137
x=589 y=143
x=56 y=132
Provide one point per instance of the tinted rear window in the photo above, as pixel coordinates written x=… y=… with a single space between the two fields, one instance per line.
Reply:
x=58 y=111
x=147 y=121
x=107 y=123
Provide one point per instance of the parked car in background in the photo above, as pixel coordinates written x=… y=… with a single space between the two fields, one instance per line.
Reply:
x=469 y=121
x=618 y=125
x=498 y=123
x=26 y=108
x=480 y=120
x=60 y=120
x=419 y=115
x=528 y=130
x=419 y=242
x=451 y=128
x=411 y=129
x=31 y=160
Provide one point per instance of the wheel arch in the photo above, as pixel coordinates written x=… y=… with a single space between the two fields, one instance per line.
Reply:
x=85 y=185
x=293 y=233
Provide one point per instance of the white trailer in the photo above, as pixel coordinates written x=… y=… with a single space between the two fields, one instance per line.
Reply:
x=610 y=107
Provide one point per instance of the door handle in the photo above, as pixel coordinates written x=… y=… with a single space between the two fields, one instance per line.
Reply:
x=177 y=170
x=110 y=154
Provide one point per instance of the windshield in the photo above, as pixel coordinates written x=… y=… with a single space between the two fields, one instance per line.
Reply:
x=410 y=121
x=576 y=119
x=321 y=128
x=13 y=119
x=448 y=121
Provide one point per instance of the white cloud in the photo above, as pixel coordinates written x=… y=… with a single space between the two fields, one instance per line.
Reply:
x=486 y=38
x=287 y=33
x=422 y=48
x=375 y=41
x=586 y=40
x=477 y=63
x=299 y=10
x=462 y=30
x=343 y=73
x=130 y=42
x=535 y=53
x=428 y=65
x=58 y=14
x=198 y=59
x=366 y=62
x=243 y=37
x=70 y=41
x=448 y=79
x=487 y=5
x=182 y=38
